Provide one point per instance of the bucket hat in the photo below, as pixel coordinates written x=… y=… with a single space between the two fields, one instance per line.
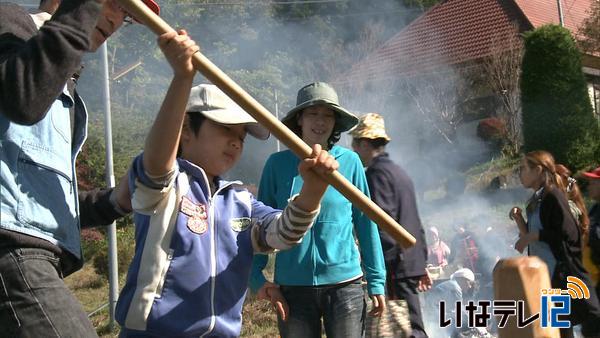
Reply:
x=211 y=102
x=321 y=93
x=371 y=126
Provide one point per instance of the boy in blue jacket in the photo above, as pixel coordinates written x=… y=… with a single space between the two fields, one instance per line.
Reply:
x=195 y=232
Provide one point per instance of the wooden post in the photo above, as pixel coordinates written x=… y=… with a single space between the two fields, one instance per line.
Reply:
x=523 y=278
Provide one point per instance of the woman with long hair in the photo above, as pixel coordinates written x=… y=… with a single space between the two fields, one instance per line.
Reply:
x=552 y=233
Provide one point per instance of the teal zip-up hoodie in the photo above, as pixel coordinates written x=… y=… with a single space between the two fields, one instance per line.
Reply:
x=328 y=253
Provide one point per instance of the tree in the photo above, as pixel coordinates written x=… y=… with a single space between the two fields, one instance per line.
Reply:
x=557 y=113
x=437 y=97
x=589 y=32
x=502 y=74
x=341 y=56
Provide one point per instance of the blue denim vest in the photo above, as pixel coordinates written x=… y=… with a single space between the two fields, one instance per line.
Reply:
x=37 y=172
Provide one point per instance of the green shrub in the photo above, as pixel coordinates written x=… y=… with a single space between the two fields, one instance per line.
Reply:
x=92 y=242
x=557 y=113
x=125 y=251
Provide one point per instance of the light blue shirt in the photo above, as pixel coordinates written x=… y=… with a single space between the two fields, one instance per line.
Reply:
x=539 y=248
x=37 y=174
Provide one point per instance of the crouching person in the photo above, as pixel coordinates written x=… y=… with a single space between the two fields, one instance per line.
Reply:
x=195 y=232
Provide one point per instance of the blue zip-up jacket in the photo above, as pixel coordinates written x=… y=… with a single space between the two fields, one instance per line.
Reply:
x=193 y=253
x=328 y=253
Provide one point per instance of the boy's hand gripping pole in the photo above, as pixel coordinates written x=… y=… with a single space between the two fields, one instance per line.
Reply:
x=142 y=13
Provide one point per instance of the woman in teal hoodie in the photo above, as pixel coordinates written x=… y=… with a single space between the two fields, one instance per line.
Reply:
x=322 y=276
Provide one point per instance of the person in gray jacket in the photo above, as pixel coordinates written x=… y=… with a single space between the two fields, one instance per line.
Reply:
x=42 y=129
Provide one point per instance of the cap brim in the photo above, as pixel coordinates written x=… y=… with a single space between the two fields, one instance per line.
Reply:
x=346 y=120
x=591 y=176
x=150 y=4
x=371 y=136
x=234 y=117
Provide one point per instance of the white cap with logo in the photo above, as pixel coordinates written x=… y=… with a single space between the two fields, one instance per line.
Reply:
x=211 y=102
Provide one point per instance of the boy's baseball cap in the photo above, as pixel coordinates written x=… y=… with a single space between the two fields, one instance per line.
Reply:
x=592 y=175
x=211 y=102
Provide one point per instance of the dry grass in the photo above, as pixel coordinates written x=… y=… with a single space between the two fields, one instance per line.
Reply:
x=258 y=319
x=480 y=177
x=92 y=291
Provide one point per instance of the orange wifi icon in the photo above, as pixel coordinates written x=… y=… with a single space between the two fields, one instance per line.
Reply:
x=576 y=288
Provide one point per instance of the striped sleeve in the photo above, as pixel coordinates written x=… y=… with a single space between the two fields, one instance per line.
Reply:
x=284 y=230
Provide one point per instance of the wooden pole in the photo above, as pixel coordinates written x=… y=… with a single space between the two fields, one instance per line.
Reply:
x=141 y=13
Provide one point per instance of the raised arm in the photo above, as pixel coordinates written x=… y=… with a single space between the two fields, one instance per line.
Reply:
x=34 y=66
x=160 y=150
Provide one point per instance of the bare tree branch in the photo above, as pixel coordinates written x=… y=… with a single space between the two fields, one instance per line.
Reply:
x=437 y=97
x=503 y=72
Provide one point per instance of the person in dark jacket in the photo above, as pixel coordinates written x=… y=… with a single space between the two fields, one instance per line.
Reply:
x=392 y=190
x=42 y=129
x=593 y=178
x=551 y=233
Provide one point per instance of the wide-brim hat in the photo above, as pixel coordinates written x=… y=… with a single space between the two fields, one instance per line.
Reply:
x=321 y=93
x=592 y=175
x=211 y=102
x=370 y=126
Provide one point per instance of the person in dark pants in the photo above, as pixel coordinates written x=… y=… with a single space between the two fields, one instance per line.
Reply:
x=393 y=191
x=43 y=124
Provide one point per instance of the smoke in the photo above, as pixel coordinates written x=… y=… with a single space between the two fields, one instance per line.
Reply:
x=434 y=139
x=272 y=51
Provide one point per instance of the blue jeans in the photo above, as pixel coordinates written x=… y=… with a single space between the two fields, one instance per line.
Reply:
x=34 y=300
x=343 y=309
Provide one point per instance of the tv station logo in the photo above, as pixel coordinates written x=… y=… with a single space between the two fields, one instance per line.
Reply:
x=555 y=304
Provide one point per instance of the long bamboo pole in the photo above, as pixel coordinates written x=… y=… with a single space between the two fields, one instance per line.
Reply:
x=138 y=10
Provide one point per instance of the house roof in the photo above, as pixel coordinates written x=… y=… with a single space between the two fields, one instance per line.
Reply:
x=541 y=12
x=455 y=31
